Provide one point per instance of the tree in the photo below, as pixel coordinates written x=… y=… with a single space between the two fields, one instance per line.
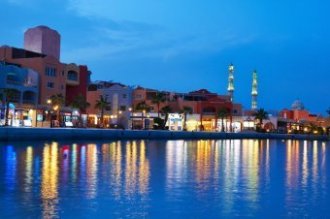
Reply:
x=79 y=102
x=9 y=95
x=101 y=105
x=142 y=106
x=158 y=99
x=222 y=114
x=57 y=101
x=186 y=110
x=166 y=110
x=260 y=114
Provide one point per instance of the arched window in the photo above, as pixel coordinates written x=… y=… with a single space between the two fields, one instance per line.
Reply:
x=72 y=76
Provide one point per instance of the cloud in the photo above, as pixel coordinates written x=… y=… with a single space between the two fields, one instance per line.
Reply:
x=139 y=41
x=133 y=30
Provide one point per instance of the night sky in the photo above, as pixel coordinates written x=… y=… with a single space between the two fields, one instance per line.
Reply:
x=185 y=45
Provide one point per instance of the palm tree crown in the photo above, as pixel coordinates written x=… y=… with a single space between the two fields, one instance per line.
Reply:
x=222 y=114
x=261 y=114
x=57 y=101
x=79 y=102
x=166 y=110
x=142 y=106
x=186 y=110
x=102 y=104
x=158 y=99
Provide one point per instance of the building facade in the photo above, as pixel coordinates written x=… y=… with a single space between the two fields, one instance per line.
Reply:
x=42 y=54
x=24 y=84
x=119 y=99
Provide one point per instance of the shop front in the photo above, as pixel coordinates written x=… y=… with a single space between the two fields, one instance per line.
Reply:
x=193 y=122
x=175 y=122
x=18 y=117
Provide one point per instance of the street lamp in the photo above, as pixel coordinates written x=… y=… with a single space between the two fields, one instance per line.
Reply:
x=49 y=102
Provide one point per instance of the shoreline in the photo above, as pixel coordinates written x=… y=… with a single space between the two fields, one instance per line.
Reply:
x=59 y=134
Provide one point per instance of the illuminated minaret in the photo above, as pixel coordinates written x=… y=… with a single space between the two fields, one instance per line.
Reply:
x=231 y=82
x=254 y=92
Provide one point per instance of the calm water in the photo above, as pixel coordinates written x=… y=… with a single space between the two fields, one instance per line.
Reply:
x=163 y=179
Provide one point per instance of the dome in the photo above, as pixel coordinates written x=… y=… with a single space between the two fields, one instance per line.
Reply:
x=297 y=105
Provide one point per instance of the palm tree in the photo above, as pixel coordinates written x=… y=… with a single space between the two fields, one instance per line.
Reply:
x=222 y=114
x=158 y=99
x=57 y=101
x=142 y=107
x=186 y=110
x=79 y=102
x=9 y=95
x=102 y=104
x=260 y=114
x=166 y=110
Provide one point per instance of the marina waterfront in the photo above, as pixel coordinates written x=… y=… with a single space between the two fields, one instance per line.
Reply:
x=165 y=178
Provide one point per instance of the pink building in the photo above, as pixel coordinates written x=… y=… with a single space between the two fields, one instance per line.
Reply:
x=42 y=39
x=42 y=53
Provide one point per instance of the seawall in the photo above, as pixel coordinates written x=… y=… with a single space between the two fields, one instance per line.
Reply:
x=56 y=134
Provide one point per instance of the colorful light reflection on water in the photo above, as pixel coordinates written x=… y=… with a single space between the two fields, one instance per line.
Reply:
x=162 y=179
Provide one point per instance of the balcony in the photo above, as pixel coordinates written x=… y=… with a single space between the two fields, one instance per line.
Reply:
x=72 y=78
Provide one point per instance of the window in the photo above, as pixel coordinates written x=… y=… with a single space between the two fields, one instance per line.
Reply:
x=124 y=96
x=50 y=71
x=72 y=76
x=50 y=84
x=13 y=78
x=138 y=96
x=122 y=108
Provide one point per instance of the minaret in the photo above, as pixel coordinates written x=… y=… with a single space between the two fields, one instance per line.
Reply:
x=254 y=92
x=231 y=82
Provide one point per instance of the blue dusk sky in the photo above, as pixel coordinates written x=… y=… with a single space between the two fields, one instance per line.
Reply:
x=185 y=45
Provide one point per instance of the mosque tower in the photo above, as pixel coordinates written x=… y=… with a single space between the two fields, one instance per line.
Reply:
x=231 y=82
x=254 y=92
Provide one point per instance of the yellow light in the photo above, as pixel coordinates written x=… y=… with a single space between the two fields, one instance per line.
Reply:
x=49 y=101
x=56 y=107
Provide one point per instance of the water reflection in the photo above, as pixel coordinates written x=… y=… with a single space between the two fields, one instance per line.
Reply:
x=49 y=183
x=91 y=170
x=305 y=173
x=137 y=178
x=227 y=169
x=116 y=167
x=11 y=165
